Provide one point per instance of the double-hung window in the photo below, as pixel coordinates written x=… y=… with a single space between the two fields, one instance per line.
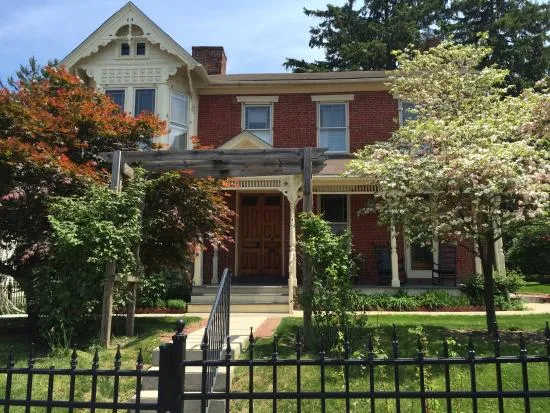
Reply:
x=335 y=210
x=117 y=96
x=258 y=120
x=333 y=126
x=179 y=121
x=144 y=101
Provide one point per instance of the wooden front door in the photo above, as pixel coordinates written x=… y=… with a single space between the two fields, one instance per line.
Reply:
x=260 y=235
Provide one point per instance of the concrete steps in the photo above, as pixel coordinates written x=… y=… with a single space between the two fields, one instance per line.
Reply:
x=244 y=299
x=240 y=329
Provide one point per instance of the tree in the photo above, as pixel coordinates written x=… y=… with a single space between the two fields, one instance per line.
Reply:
x=519 y=35
x=470 y=165
x=51 y=130
x=362 y=38
x=28 y=73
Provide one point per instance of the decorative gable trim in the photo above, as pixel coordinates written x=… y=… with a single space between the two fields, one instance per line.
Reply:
x=246 y=140
x=130 y=14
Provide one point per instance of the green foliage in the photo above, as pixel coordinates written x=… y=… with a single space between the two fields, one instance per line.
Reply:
x=88 y=231
x=334 y=299
x=151 y=291
x=175 y=303
x=507 y=284
x=362 y=37
x=518 y=32
x=528 y=247
x=401 y=301
x=181 y=212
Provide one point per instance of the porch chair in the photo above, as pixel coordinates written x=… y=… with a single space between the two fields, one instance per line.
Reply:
x=446 y=265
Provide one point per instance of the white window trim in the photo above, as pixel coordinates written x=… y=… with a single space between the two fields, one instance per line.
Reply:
x=266 y=100
x=332 y=98
x=400 y=109
x=119 y=49
x=243 y=118
x=175 y=92
x=134 y=98
x=319 y=103
x=134 y=44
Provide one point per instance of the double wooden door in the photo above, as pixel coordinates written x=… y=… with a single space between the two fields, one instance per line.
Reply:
x=260 y=235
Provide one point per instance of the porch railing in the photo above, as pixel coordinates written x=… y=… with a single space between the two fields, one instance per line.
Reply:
x=215 y=335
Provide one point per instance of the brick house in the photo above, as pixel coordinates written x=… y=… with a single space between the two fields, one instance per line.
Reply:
x=143 y=69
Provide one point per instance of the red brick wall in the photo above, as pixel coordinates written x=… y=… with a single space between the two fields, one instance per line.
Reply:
x=372 y=117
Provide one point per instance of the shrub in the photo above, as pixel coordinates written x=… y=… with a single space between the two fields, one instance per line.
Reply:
x=335 y=298
x=175 y=303
x=151 y=291
x=505 y=285
x=528 y=247
x=402 y=302
x=435 y=299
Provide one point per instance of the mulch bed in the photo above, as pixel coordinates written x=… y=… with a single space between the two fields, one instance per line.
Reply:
x=160 y=311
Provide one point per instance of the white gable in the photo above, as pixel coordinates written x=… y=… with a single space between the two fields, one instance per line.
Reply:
x=246 y=140
x=126 y=22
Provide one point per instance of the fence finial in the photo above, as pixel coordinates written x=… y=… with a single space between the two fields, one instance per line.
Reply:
x=471 y=348
x=118 y=358
x=11 y=359
x=522 y=346
x=204 y=344
x=228 y=348
x=446 y=348
x=74 y=359
x=95 y=360
x=139 y=361
x=31 y=356
x=275 y=353
x=420 y=346
x=180 y=326
x=251 y=338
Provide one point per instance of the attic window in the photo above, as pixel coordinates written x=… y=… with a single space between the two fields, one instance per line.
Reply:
x=125 y=49
x=140 y=49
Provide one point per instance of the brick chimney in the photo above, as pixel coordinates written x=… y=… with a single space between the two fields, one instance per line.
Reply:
x=431 y=42
x=212 y=58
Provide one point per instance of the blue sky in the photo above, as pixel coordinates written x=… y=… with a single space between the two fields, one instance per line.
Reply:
x=257 y=34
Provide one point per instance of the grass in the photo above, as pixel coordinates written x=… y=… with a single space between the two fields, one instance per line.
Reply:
x=149 y=332
x=535 y=287
x=437 y=329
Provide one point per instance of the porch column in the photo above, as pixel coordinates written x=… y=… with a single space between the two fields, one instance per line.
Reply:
x=477 y=260
x=197 y=268
x=215 y=260
x=395 y=283
x=499 y=256
x=293 y=194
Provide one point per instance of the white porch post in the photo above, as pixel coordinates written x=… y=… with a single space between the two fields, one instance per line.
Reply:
x=499 y=256
x=292 y=193
x=197 y=268
x=477 y=261
x=215 y=260
x=395 y=283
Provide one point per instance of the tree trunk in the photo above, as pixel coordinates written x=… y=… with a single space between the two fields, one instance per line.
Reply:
x=487 y=255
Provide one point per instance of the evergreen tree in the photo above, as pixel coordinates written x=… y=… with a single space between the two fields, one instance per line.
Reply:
x=518 y=32
x=362 y=38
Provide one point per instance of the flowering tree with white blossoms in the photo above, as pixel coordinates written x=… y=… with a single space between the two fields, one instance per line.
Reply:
x=474 y=161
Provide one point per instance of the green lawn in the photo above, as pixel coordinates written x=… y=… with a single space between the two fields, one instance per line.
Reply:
x=149 y=332
x=437 y=328
x=535 y=287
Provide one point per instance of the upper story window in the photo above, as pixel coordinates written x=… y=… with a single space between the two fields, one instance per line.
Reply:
x=258 y=120
x=406 y=112
x=333 y=126
x=117 y=96
x=179 y=120
x=144 y=101
x=125 y=49
x=335 y=210
x=140 y=49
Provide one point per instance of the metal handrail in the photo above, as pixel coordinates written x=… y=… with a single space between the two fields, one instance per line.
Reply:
x=216 y=333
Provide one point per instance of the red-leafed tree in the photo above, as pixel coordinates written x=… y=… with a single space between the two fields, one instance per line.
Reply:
x=51 y=129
